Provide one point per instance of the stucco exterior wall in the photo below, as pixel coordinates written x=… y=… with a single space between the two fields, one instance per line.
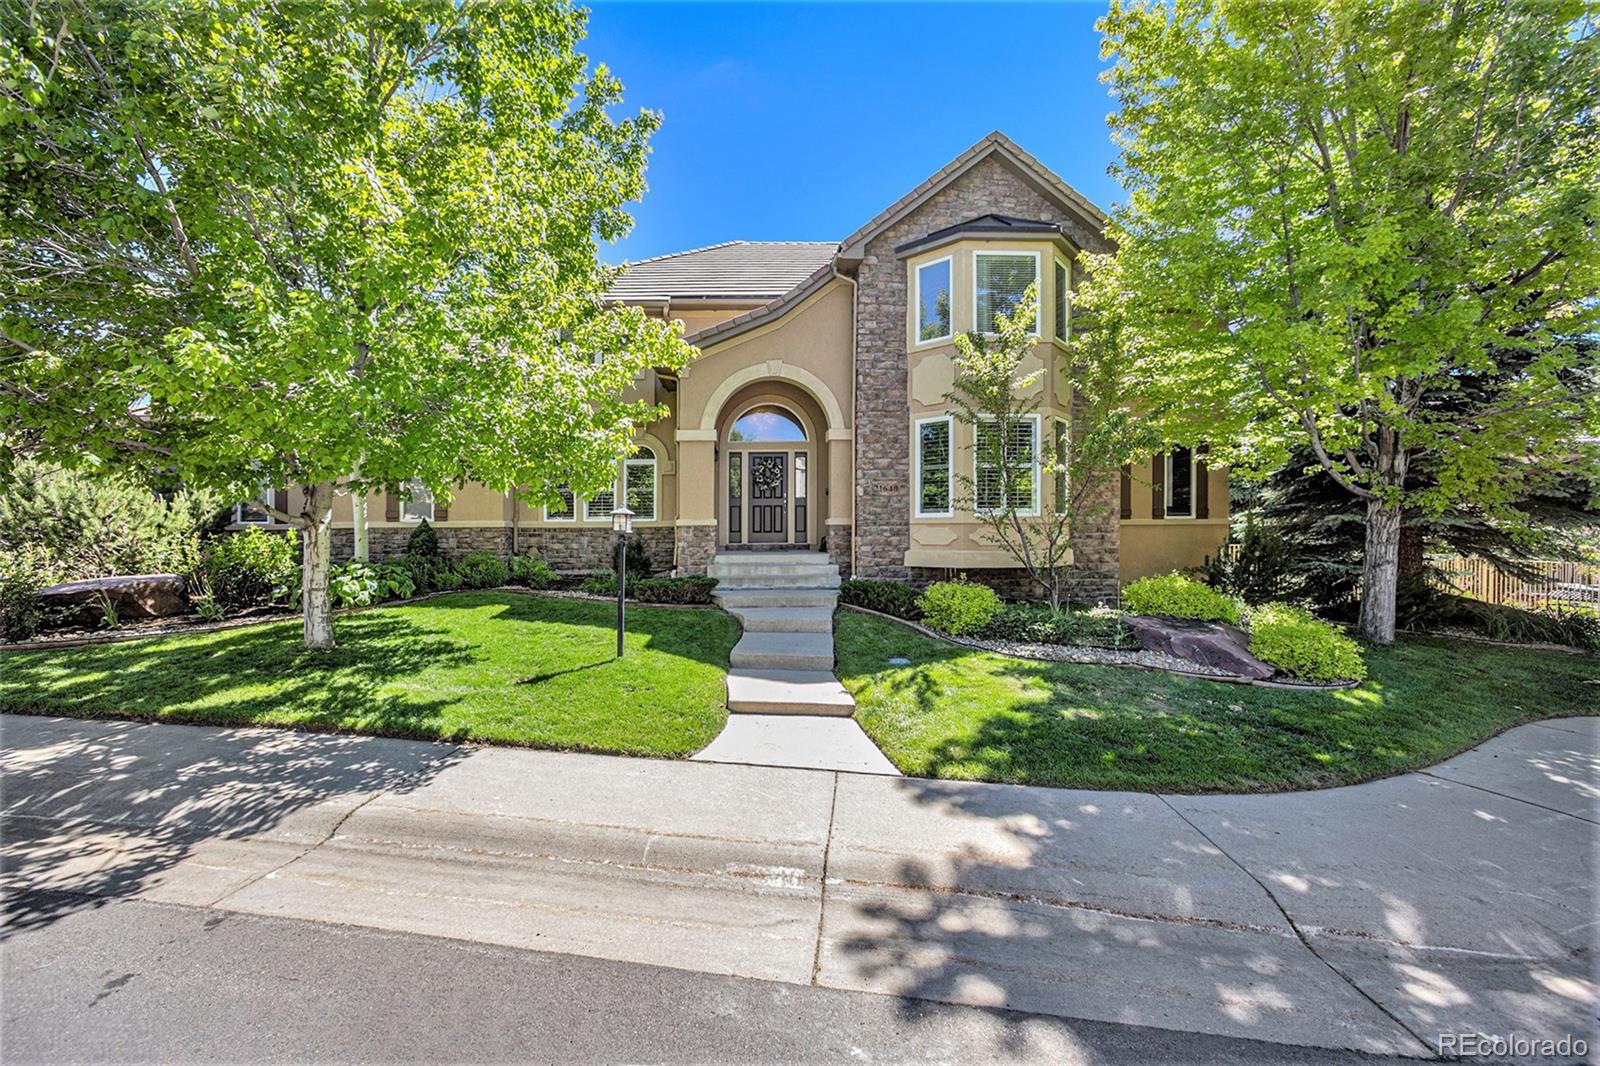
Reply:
x=1161 y=545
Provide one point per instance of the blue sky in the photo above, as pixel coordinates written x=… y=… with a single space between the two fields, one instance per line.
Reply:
x=800 y=122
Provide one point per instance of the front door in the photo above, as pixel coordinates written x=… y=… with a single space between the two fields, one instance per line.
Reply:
x=769 y=497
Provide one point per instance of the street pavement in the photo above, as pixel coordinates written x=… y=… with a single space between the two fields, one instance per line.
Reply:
x=1370 y=918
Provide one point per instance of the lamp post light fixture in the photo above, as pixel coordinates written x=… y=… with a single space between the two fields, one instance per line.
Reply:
x=622 y=525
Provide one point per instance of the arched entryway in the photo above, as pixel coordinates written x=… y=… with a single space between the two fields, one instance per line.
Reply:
x=772 y=468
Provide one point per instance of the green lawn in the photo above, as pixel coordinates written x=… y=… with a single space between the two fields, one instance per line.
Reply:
x=959 y=713
x=491 y=666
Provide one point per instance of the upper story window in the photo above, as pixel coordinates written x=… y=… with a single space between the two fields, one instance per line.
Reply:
x=417 y=502
x=767 y=423
x=1063 y=288
x=1001 y=281
x=933 y=301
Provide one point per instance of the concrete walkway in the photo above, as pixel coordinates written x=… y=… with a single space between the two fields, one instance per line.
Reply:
x=1372 y=917
x=813 y=742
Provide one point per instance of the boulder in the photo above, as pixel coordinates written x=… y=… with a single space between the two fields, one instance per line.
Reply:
x=134 y=595
x=1214 y=644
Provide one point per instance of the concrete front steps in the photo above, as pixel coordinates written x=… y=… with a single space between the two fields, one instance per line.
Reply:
x=783 y=664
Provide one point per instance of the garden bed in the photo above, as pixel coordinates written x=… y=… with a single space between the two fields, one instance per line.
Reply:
x=1095 y=655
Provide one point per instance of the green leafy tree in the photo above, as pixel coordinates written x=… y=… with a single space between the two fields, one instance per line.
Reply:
x=1336 y=212
x=996 y=395
x=261 y=243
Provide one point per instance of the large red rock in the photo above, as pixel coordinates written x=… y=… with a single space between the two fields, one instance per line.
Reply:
x=1213 y=644
x=134 y=595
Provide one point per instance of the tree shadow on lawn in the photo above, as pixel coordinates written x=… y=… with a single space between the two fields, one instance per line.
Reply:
x=1087 y=726
x=95 y=811
x=259 y=674
x=700 y=634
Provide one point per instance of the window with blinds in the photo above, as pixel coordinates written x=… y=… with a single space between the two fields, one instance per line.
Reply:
x=933 y=468
x=1001 y=280
x=1008 y=480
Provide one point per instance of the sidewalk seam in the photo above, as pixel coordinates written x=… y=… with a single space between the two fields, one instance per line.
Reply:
x=1299 y=933
x=822 y=897
x=331 y=833
x=1502 y=795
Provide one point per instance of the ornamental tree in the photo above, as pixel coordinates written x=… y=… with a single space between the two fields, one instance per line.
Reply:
x=335 y=245
x=997 y=394
x=1338 y=213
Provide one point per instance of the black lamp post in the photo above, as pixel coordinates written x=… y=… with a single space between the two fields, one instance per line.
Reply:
x=622 y=525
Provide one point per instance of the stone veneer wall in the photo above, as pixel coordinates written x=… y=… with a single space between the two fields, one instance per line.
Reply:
x=594 y=548
x=839 y=548
x=573 y=549
x=883 y=410
x=697 y=546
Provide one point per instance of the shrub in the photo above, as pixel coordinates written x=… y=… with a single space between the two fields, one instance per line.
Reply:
x=1034 y=623
x=245 y=569
x=359 y=584
x=21 y=615
x=530 y=571
x=1258 y=571
x=482 y=570
x=636 y=559
x=1303 y=646
x=77 y=525
x=888 y=597
x=672 y=589
x=652 y=589
x=447 y=578
x=1578 y=628
x=1179 y=597
x=421 y=569
x=423 y=541
x=958 y=607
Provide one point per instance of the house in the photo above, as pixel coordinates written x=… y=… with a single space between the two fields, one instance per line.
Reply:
x=815 y=414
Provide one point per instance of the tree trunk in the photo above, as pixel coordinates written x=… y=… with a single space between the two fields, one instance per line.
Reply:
x=316 y=604
x=1380 y=571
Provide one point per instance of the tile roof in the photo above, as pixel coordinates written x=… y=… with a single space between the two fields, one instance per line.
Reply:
x=735 y=270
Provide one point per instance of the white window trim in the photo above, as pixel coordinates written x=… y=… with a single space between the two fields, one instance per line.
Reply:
x=655 y=484
x=245 y=515
x=1031 y=512
x=433 y=505
x=1166 y=487
x=916 y=306
x=950 y=465
x=987 y=328
x=1066 y=305
x=571 y=517
x=604 y=516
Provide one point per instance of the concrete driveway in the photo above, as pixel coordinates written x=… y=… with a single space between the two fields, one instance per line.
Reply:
x=1372 y=918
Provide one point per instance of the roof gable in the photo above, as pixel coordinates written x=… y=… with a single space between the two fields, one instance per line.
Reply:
x=997 y=145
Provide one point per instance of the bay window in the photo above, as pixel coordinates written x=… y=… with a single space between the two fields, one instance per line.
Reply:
x=1001 y=282
x=933 y=467
x=933 y=301
x=1008 y=479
